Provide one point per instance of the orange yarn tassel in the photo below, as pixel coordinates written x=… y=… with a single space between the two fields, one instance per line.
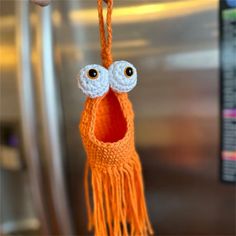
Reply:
x=107 y=131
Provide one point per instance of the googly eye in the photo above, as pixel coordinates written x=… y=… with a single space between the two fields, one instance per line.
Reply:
x=93 y=80
x=128 y=72
x=123 y=76
x=92 y=74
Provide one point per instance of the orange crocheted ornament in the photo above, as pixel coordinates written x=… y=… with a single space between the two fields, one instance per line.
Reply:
x=107 y=130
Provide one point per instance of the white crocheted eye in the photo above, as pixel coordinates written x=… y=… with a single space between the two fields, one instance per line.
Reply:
x=122 y=76
x=93 y=80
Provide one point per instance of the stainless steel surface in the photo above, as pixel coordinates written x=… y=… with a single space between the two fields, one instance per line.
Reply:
x=16 y=204
x=16 y=207
x=51 y=119
x=174 y=45
x=28 y=111
x=31 y=61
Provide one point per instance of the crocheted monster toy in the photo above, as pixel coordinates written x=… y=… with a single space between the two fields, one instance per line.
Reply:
x=107 y=130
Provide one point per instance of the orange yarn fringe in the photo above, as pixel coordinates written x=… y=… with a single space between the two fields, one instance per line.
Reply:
x=118 y=202
x=107 y=130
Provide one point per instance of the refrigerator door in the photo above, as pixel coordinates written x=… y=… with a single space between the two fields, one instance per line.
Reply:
x=41 y=119
x=174 y=46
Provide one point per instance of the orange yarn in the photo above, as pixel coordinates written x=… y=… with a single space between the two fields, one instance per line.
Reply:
x=106 y=42
x=107 y=130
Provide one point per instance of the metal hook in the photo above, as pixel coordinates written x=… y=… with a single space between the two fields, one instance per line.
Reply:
x=42 y=3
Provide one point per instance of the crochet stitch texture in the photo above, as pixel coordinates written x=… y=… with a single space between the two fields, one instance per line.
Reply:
x=107 y=131
x=97 y=87
x=117 y=79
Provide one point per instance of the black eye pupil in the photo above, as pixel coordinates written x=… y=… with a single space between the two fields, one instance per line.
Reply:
x=92 y=73
x=129 y=71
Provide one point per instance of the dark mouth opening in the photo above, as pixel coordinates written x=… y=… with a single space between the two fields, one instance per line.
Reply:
x=110 y=123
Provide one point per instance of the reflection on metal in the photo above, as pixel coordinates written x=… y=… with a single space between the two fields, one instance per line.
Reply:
x=56 y=18
x=51 y=123
x=19 y=226
x=10 y=158
x=28 y=117
x=8 y=57
x=146 y=12
x=193 y=60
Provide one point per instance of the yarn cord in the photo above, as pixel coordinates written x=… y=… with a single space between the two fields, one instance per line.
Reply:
x=105 y=30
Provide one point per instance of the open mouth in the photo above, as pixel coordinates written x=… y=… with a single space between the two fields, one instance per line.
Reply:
x=110 y=123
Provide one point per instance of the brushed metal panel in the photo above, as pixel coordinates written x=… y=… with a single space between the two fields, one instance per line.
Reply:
x=174 y=45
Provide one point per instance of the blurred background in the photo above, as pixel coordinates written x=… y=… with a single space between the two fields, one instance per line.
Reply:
x=174 y=45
